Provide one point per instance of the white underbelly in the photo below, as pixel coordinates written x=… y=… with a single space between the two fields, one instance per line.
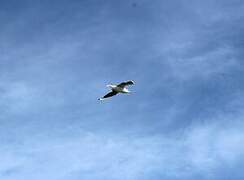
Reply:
x=120 y=90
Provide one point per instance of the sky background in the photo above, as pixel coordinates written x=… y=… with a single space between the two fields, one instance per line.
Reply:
x=183 y=121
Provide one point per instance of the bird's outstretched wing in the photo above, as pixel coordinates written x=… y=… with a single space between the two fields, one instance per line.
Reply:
x=112 y=93
x=126 y=83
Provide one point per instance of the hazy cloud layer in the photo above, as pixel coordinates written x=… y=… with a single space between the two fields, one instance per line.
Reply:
x=183 y=120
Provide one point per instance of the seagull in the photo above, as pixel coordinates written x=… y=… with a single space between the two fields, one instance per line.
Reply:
x=119 y=88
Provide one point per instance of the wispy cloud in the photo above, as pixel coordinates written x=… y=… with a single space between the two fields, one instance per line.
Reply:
x=183 y=120
x=200 y=149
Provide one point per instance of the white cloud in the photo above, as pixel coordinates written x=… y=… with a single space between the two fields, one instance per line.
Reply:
x=201 y=149
x=17 y=97
x=210 y=145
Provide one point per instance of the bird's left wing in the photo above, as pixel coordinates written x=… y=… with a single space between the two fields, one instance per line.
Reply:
x=126 y=83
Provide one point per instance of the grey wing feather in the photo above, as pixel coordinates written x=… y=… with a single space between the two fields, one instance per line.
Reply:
x=126 y=83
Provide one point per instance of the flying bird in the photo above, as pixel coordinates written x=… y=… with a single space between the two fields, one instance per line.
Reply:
x=119 y=88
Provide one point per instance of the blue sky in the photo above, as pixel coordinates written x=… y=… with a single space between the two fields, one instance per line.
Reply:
x=183 y=121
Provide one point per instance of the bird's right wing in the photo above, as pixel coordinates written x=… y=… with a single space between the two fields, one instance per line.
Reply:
x=112 y=93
